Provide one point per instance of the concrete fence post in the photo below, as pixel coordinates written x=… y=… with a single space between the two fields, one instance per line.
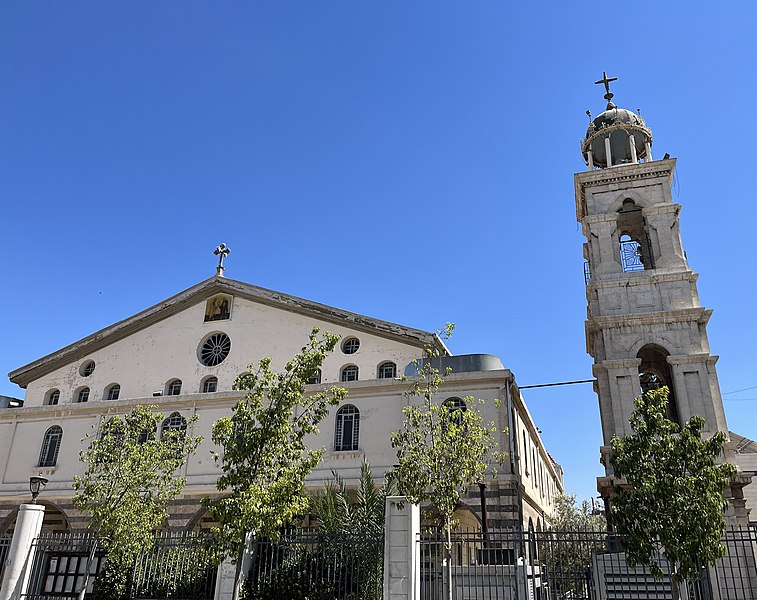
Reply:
x=19 y=563
x=402 y=577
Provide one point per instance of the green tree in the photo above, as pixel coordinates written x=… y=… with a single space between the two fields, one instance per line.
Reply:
x=265 y=458
x=359 y=514
x=576 y=533
x=669 y=493
x=570 y=516
x=130 y=478
x=442 y=449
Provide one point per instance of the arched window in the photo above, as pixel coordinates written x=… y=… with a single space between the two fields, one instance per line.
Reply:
x=52 y=397
x=387 y=370
x=315 y=378
x=635 y=249
x=455 y=407
x=113 y=392
x=654 y=373
x=347 y=428
x=83 y=395
x=173 y=423
x=48 y=456
x=173 y=388
x=209 y=385
x=349 y=373
x=147 y=434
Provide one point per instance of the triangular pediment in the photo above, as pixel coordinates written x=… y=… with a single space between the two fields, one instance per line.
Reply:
x=212 y=293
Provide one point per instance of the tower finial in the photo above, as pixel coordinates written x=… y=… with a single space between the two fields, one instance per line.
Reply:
x=608 y=95
x=221 y=251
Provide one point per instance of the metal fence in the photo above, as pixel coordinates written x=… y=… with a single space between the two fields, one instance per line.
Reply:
x=579 y=565
x=309 y=564
x=59 y=565
x=5 y=544
x=179 y=565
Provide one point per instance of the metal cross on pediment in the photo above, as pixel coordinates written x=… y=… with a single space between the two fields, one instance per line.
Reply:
x=606 y=80
x=221 y=251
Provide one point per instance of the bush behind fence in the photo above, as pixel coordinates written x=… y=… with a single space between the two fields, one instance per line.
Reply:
x=308 y=565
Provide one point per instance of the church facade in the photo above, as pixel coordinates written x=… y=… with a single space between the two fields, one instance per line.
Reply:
x=184 y=354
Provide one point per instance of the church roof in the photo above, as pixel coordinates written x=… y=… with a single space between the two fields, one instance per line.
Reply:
x=183 y=300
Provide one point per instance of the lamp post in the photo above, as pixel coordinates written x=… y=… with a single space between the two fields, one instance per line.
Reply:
x=36 y=484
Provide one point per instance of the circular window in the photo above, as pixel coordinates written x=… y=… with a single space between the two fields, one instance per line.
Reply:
x=87 y=368
x=215 y=349
x=350 y=345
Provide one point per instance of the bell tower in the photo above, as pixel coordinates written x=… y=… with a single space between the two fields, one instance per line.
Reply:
x=645 y=327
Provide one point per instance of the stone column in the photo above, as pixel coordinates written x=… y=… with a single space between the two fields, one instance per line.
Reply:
x=664 y=220
x=602 y=245
x=402 y=579
x=19 y=563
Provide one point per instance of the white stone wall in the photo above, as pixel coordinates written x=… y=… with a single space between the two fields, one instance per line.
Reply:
x=147 y=360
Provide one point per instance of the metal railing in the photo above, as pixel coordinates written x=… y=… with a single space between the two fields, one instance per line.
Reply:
x=306 y=563
x=59 y=565
x=5 y=544
x=180 y=564
x=515 y=564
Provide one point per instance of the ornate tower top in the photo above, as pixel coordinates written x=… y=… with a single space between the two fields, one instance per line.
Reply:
x=618 y=136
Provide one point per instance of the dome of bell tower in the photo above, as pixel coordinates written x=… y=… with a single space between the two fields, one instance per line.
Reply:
x=617 y=136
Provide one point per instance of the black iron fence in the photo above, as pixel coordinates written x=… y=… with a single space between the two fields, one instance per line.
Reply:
x=179 y=565
x=319 y=566
x=59 y=565
x=5 y=544
x=579 y=565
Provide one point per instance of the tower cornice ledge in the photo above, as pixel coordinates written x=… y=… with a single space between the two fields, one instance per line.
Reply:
x=617 y=363
x=700 y=315
x=611 y=280
x=692 y=359
x=617 y=175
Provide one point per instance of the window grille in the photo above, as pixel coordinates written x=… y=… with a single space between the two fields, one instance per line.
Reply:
x=215 y=349
x=210 y=385
x=174 y=388
x=53 y=396
x=350 y=373
x=114 y=392
x=83 y=395
x=387 y=370
x=48 y=456
x=350 y=345
x=347 y=428
x=87 y=368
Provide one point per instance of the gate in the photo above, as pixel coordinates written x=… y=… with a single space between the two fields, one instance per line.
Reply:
x=60 y=563
x=514 y=564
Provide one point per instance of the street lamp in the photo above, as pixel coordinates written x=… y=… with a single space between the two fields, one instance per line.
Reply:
x=36 y=483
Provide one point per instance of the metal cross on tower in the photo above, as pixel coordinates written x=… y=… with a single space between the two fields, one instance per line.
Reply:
x=221 y=251
x=606 y=80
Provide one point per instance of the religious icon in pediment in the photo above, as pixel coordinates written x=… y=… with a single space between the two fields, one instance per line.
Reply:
x=218 y=308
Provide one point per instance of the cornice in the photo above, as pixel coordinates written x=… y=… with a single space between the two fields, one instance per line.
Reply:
x=698 y=315
x=205 y=289
x=617 y=175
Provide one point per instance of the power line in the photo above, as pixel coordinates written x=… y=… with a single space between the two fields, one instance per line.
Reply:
x=540 y=385
x=754 y=387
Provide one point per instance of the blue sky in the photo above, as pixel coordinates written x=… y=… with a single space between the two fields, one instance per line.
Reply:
x=409 y=161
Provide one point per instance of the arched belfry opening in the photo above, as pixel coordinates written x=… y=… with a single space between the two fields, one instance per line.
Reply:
x=654 y=373
x=635 y=249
